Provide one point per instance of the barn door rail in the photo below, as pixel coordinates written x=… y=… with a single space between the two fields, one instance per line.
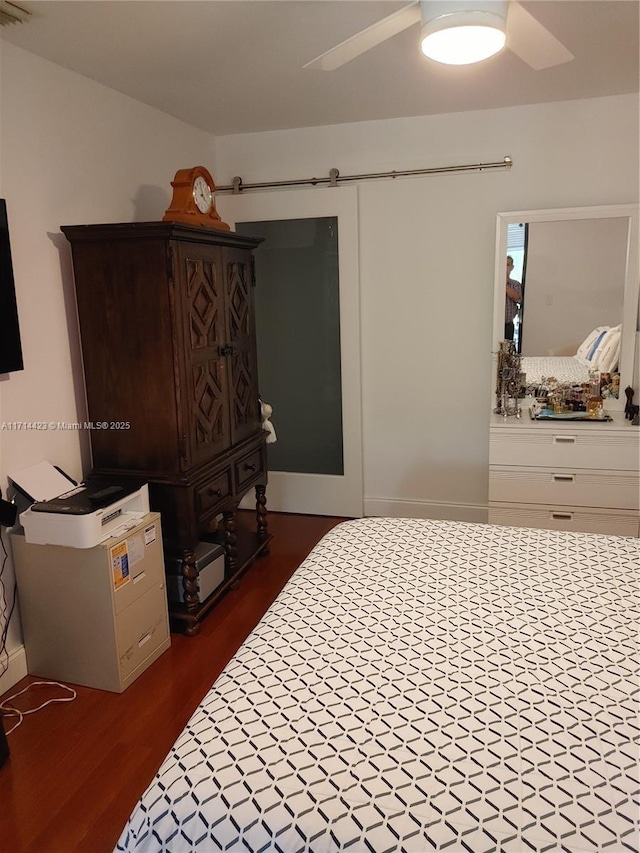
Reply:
x=334 y=178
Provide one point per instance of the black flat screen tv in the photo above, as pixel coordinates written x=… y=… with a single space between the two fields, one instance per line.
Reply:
x=10 y=345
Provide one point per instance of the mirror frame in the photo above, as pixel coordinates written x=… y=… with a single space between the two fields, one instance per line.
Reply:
x=630 y=319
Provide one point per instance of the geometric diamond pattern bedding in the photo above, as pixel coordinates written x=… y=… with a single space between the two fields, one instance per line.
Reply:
x=420 y=686
x=562 y=368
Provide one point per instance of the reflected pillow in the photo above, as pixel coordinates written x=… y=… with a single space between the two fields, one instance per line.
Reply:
x=589 y=345
x=607 y=354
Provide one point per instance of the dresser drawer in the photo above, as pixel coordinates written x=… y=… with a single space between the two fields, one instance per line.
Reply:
x=614 y=450
x=249 y=468
x=142 y=632
x=565 y=487
x=577 y=519
x=213 y=492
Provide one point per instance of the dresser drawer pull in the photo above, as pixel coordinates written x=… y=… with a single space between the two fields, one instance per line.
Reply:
x=249 y=466
x=215 y=493
x=562 y=516
x=564 y=439
x=564 y=478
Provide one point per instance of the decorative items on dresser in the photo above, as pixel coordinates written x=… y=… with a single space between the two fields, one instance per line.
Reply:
x=630 y=410
x=167 y=326
x=509 y=381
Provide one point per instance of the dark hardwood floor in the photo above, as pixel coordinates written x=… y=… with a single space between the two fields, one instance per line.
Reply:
x=76 y=770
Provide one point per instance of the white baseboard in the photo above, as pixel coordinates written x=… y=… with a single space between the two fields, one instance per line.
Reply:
x=16 y=669
x=390 y=508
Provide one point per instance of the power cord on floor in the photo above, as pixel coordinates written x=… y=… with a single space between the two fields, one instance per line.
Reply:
x=5 y=617
x=6 y=708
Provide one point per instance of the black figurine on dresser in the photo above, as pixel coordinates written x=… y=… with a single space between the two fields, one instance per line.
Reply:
x=630 y=410
x=166 y=315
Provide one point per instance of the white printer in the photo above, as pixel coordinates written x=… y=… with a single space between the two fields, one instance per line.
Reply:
x=80 y=517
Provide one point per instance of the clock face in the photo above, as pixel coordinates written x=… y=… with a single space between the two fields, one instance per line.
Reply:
x=202 y=195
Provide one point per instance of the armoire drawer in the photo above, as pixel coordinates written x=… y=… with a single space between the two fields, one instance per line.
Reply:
x=576 y=519
x=564 y=487
x=248 y=468
x=614 y=450
x=213 y=492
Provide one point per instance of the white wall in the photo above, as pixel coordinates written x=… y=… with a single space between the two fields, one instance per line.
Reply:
x=426 y=265
x=71 y=152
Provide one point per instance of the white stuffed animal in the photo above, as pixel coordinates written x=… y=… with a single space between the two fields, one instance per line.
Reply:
x=266 y=411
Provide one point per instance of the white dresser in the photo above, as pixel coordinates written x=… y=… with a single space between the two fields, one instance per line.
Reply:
x=565 y=475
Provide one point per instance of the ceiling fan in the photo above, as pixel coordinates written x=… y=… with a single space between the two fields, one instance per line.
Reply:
x=512 y=26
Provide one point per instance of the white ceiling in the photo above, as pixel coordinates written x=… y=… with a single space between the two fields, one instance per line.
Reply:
x=236 y=66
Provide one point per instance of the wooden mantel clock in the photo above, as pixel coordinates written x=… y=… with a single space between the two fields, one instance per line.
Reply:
x=193 y=201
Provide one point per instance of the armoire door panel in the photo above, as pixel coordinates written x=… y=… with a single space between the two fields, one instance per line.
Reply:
x=238 y=294
x=206 y=415
x=244 y=404
x=126 y=346
x=205 y=300
x=210 y=422
x=243 y=386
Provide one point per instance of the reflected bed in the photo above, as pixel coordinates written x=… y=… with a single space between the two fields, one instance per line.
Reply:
x=420 y=685
x=599 y=351
x=564 y=369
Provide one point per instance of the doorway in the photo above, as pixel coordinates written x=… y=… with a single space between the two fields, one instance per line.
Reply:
x=517 y=242
x=308 y=334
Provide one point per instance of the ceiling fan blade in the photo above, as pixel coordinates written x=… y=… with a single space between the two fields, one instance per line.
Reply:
x=366 y=39
x=532 y=42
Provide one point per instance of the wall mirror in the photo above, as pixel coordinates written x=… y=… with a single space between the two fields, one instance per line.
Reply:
x=579 y=272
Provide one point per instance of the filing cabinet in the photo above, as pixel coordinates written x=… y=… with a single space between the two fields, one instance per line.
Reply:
x=94 y=616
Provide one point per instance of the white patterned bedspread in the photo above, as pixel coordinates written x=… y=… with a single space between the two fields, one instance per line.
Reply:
x=565 y=369
x=420 y=686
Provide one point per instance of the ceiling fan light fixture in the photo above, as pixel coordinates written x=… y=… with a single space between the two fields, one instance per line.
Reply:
x=461 y=33
x=463 y=45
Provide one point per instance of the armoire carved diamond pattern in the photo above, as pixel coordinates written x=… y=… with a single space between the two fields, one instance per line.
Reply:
x=242 y=387
x=204 y=313
x=242 y=398
x=239 y=325
x=208 y=410
x=205 y=323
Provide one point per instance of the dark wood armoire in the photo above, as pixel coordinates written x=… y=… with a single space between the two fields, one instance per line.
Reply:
x=166 y=316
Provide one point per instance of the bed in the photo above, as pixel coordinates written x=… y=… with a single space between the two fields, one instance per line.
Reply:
x=599 y=351
x=567 y=370
x=420 y=685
